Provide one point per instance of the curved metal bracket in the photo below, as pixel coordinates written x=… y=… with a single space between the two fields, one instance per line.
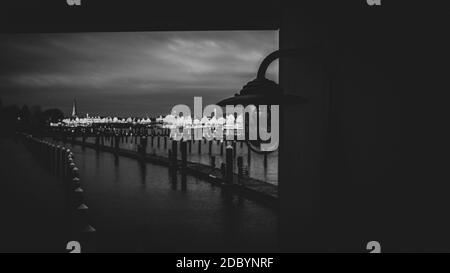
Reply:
x=272 y=57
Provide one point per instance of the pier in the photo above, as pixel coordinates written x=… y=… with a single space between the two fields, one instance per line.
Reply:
x=146 y=144
x=249 y=187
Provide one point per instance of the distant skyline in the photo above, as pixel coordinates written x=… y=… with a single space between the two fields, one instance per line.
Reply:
x=129 y=73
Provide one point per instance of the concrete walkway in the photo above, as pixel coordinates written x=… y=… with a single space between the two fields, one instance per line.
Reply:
x=32 y=208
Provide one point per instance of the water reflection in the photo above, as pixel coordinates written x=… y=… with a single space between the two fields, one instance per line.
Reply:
x=146 y=210
x=183 y=182
x=173 y=178
x=143 y=171
x=116 y=161
x=259 y=166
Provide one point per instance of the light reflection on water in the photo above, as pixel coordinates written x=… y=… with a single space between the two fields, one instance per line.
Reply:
x=268 y=173
x=140 y=207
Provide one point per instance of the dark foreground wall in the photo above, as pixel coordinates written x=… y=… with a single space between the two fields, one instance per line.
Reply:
x=360 y=161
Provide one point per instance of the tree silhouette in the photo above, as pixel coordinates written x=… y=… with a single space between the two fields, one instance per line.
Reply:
x=51 y=115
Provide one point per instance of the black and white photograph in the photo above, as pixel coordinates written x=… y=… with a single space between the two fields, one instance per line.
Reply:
x=222 y=135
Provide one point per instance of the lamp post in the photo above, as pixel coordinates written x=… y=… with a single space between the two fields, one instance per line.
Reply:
x=262 y=91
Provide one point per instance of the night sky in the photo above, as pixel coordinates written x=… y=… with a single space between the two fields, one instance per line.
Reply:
x=129 y=74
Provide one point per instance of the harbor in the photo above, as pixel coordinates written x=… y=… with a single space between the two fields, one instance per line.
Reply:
x=118 y=201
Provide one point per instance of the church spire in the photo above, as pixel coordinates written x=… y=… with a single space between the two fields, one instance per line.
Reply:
x=74 y=109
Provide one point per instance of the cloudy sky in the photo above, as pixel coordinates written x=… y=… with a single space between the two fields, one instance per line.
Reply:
x=129 y=74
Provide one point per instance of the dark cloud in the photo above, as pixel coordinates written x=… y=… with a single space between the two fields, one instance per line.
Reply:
x=133 y=73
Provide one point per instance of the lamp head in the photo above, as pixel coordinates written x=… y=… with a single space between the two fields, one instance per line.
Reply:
x=262 y=91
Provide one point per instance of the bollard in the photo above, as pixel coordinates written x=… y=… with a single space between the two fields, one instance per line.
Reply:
x=229 y=164
x=71 y=167
x=75 y=184
x=75 y=172
x=81 y=221
x=72 y=155
x=77 y=197
x=221 y=148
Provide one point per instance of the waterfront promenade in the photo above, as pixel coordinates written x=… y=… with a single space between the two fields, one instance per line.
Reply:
x=31 y=204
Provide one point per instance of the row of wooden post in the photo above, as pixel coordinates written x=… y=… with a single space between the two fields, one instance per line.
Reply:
x=185 y=148
x=227 y=168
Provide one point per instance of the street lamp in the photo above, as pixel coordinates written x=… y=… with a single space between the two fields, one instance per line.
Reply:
x=262 y=91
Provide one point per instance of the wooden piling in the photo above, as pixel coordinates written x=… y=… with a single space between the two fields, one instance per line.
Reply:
x=213 y=161
x=183 y=146
x=174 y=152
x=249 y=155
x=229 y=164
